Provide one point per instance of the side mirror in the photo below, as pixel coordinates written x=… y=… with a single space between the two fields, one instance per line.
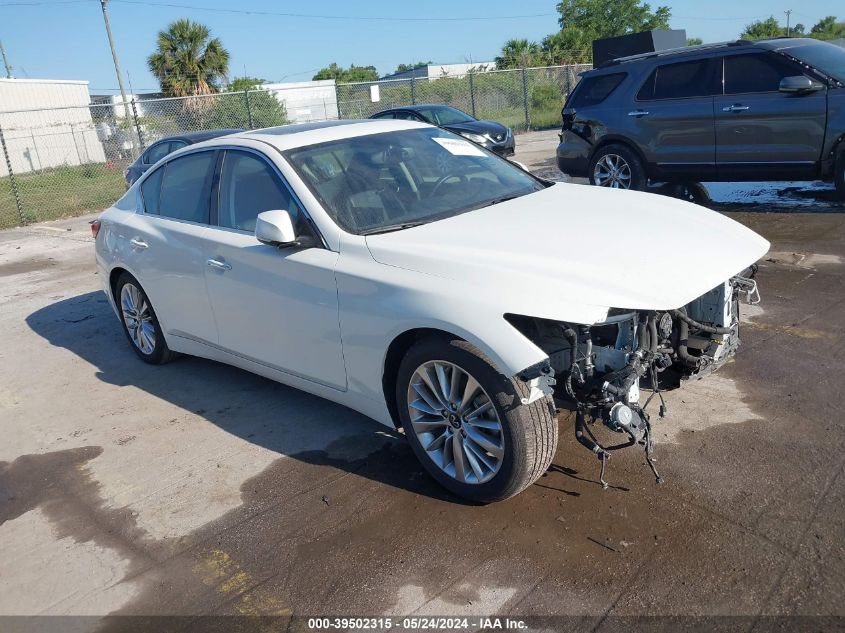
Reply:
x=276 y=228
x=798 y=84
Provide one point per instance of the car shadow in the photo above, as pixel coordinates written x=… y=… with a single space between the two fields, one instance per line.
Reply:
x=284 y=420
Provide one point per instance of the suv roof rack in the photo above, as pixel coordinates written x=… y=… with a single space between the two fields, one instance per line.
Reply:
x=673 y=51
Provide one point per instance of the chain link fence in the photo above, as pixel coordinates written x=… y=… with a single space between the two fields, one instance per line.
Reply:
x=65 y=161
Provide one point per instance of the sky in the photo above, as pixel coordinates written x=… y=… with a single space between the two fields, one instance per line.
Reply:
x=66 y=39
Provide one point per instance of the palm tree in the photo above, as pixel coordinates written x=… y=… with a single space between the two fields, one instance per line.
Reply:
x=188 y=61
x=519 y=54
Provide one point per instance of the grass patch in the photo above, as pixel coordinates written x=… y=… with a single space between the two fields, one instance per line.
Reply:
x=61 y=192
x=514 y=118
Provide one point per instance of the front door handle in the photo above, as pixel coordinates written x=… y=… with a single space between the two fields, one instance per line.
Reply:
x=735 y=108
x=216 y=264
x=638 y=113
x=137 y=242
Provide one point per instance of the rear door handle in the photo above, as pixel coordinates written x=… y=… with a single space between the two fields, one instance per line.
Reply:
x=736 y=108
x=638 y=113
x=137 y=242
x=216 y=264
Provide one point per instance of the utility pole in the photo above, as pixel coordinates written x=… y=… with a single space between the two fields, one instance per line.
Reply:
x=788 y=15
x=103 y=3
x=5 y=62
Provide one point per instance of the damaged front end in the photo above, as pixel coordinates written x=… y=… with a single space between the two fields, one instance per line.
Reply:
x=599 y=369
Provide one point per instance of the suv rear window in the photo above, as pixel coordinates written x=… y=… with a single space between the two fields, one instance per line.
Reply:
x=593 y=90
x=699 y=78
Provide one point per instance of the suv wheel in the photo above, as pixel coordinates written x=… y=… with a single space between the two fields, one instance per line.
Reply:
x=839 y=175
x=466 y=422
x=618 y=167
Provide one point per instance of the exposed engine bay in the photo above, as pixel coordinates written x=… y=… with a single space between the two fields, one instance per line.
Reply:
x=599 y=369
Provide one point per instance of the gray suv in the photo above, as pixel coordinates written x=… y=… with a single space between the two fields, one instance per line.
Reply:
x=739 y=111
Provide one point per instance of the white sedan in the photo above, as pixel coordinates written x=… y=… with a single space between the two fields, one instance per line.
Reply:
x=408 y=274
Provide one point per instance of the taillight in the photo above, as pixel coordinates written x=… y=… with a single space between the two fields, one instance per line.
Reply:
x=95 y=228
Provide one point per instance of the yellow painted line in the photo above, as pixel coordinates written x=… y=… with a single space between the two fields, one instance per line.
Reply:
x=217 y=569
x=792 y=330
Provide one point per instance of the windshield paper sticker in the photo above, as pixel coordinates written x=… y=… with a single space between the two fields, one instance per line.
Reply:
x=457 y=147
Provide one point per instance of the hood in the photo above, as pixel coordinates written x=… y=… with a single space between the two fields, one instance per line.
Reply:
x=479 y=127
x=571 y=252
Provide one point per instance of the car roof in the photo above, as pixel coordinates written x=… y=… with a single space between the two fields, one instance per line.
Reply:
x=294 y=135
x=418 y=106
x=785 y=43
x=202 y=135
x=684 y=51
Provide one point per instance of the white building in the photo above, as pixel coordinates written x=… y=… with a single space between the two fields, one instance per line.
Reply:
x=306 y=100
x=47 y=123
x=438 y=71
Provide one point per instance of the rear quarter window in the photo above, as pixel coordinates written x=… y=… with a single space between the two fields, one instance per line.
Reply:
x=151 y=191
x=593 y=90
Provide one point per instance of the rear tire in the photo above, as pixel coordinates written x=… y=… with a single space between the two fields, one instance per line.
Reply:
x=839 y=175
x=522 y=439
x=693 y=192
x=617 y=166
x=140 y=323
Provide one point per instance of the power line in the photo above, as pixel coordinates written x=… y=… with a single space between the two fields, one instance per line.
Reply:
x=334 y=17
x=719 y=18
x=43 y=2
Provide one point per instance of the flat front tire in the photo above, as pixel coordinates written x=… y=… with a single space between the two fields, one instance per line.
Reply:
x=466 y=422
x=140 y=323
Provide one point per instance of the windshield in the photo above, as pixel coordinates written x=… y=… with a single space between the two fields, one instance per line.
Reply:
x=825 y=57
x=383 y=182
x=444 y=115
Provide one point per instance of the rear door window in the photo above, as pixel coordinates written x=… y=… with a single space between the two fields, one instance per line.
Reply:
x=756 y=72
x=593 y=90
x=407 y=116
x=698 y=78
x=186 y=187
x=156 y=153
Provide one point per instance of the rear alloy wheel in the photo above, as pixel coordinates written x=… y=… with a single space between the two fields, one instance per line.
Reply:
x=466 y=422
x=140 y=323
x=617 y=167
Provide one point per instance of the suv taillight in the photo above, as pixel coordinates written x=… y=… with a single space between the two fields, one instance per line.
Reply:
x=568 y=116
x=95 y=227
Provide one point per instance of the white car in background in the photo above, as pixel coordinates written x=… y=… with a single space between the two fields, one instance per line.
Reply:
x=408 y=274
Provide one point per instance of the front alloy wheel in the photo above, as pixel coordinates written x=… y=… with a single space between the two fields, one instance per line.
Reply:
x=455 y=422
x=466 y=421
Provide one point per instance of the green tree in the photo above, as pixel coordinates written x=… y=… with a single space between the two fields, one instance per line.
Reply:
x=581 y=22
x=401 y=68
x=609 y=18
x=520 y=53
x=188 y=61
x=239 y=84
x=770 y=27
x=828 y=29
x=246 y=105
x=694 y=41
x=568 y=46
x=347 y=75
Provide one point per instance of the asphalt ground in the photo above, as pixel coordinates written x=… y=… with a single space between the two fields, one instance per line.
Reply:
x=198 y=490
